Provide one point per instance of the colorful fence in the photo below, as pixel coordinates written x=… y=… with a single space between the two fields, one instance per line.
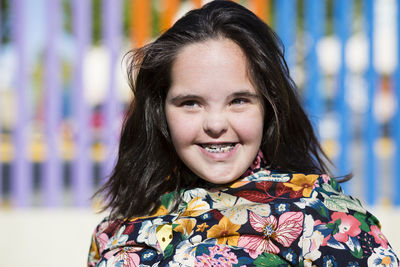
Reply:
x=62 y=100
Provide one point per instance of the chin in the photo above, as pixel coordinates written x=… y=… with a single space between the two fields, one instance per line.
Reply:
x=221 y=179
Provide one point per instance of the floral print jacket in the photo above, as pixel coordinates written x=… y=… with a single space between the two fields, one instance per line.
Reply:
x=267 y=218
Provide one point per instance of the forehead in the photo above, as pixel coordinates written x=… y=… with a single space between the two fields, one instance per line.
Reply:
x=213 y=52
x=212 y=64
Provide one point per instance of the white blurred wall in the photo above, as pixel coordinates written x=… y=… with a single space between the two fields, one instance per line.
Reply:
x=46 y=238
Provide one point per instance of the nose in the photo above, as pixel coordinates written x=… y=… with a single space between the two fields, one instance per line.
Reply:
x=215 y=124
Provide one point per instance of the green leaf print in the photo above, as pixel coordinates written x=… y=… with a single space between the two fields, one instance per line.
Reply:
x=357 y=253
x=329 y=189
x=322 y=211
x=167 y=199
x=169 y=250
x=335 y=206
x=374 y=221
x=362 y=218
x=334 y=226
x=268 y=259
x=335 y=185
x=342 y=203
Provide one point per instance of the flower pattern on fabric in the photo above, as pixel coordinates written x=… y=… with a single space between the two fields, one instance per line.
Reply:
x=284 y=232
x=302 y=182
x=267 y=218
x=224 y=232
x=383 y=257
x=347 y=226
x=218 y=256
x=378 y=236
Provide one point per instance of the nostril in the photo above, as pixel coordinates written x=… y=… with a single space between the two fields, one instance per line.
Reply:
x=215 y=130
x=215 y=126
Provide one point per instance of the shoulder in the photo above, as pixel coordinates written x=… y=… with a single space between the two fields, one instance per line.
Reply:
x=127 y=239
x=121 y=240
x=102 y=238
x=338 y=229
x=323 y=194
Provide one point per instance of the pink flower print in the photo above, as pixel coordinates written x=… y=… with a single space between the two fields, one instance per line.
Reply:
x=229 y=257
x=284 y=232
x=123 y=257
x=224 y=262
x=253 y=253
x=219 y=256
x=378 y=236
x=102 y=241
x=255 y=165
x=257 y=162
x=325 y=178
x=218 y=250
x=205 y=261
x=349 y=226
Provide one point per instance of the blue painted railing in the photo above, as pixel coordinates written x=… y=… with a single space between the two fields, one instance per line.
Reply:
x=342 y=17
x=370 y=126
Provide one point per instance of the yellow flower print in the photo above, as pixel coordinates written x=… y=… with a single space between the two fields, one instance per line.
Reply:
x=185 y=226
x=239 y=183
x=164 y=235
x=196 y=207
x=94 y=253
x=162 y=210
x=302 y=182
x=202 y=227
x=224 y=232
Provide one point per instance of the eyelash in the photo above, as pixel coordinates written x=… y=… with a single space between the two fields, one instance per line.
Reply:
x=189 y=103
x=194 y=103
x=242 y=101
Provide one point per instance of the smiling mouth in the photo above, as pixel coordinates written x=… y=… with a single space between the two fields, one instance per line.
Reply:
x=218 y=148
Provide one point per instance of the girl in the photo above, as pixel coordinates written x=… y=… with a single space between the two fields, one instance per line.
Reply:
x=218 y=163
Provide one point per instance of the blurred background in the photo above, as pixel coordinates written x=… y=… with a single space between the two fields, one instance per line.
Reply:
x=64 y=91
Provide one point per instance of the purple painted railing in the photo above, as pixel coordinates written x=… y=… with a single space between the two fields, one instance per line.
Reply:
x=52 y=167
x=21 y=167
x=82 y=171
x=112 y=31
x=1 y=165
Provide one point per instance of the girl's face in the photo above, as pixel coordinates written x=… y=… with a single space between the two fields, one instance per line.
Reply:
x=214 y=113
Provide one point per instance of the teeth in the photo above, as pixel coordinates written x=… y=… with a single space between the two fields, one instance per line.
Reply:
x=218 y=148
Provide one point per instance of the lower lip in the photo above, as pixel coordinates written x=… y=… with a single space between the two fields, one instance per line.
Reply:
x=219 y=155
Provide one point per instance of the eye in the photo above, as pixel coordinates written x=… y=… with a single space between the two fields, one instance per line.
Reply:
x=239 y=101
x=190 y=104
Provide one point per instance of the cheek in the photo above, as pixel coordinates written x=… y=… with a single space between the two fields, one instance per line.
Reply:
x=182 y=128
x=249 y=127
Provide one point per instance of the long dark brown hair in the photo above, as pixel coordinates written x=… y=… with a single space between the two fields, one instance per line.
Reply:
x=148 y=165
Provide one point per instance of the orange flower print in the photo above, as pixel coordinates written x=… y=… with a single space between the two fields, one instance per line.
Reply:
x=201 y=227
x=225 y=232
x=303 y=182
x=185 y=226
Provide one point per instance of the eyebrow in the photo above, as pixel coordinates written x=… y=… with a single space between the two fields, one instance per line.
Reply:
x=179 y=98
x=182 y=97
x=245 y=94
